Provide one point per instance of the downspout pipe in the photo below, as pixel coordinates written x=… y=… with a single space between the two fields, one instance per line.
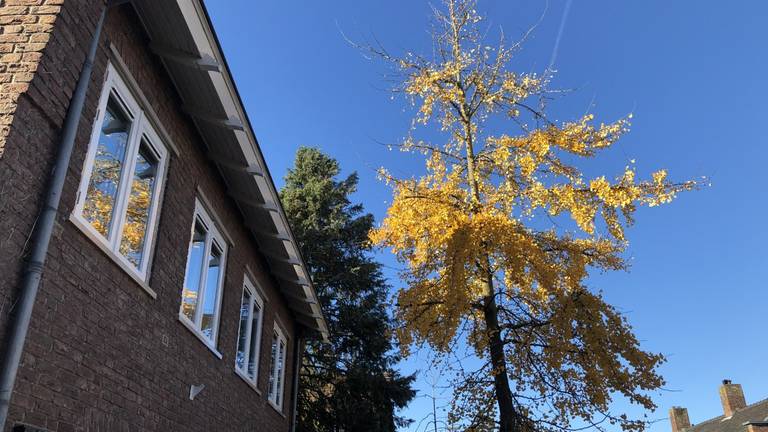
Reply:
x=298 y=348
x=33 y=270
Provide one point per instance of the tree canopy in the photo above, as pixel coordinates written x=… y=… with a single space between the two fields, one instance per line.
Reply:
x=490 y=258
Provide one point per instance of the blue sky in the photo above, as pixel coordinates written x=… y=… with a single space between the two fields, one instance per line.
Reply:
x=693 y=74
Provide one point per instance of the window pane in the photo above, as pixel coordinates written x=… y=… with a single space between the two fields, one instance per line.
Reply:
x=241 y=340
x=279 y=372
x=194 y=267
x=99 y=204
x=139 y=202
x=211 y=292
x=252 y=359
x=272 y=366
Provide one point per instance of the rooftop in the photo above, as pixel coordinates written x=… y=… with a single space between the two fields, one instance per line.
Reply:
x=737 y=415
x=755 y=413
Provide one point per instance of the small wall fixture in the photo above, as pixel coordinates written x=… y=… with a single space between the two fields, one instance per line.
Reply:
x=195 y=390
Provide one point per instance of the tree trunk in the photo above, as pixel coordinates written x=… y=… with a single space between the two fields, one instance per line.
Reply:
x=508 y=417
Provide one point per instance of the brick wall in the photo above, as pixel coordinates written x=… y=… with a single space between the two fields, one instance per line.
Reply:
x=102 y=354
x=25 y=27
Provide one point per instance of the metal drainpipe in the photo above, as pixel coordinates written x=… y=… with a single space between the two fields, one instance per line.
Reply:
x=298 y=353
x=44 y=228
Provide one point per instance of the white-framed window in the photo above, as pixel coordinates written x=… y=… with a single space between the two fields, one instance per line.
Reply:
x=277 y=368
x=204 y=277
x=118 y=199
x=249 y=333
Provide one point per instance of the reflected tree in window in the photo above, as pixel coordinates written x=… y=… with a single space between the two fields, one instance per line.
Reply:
x=139 y=203
x=99 y=205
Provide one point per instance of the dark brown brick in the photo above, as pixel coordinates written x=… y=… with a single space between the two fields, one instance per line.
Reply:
x=102 y=355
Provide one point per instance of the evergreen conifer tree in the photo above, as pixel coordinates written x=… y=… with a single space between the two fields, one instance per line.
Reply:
x=349 y=384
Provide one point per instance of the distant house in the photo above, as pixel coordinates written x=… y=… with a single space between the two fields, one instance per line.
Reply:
x=737 y=415
x=173 y=296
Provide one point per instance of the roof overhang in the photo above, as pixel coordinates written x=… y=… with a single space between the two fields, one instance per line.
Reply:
x=182 y=36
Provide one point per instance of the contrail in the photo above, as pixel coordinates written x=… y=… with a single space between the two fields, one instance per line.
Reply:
x=556 y=48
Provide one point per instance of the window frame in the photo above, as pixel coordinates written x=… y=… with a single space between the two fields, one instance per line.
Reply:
x=142 y=131
x=255 y=298
x=202 y=215
x=272 y=396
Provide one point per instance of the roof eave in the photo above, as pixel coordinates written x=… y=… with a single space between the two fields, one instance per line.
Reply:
x=209 y=64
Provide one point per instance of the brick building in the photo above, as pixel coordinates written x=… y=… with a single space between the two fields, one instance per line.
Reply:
x=737 y=415
x=173 y=296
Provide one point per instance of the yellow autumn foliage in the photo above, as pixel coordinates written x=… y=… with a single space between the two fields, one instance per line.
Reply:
x=483 y=236
x=99 y=207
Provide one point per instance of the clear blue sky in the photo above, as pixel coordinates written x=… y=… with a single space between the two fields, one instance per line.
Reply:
x=695 y=75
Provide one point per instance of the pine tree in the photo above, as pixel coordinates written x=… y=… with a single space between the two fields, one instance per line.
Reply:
x=349 y=384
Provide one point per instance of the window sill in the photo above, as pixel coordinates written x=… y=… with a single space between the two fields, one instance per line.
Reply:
x=248 y=381
x=189 y=326
x=86 y=230
x=276 y=408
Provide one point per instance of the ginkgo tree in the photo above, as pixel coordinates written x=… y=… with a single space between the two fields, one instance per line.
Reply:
x=487 y=262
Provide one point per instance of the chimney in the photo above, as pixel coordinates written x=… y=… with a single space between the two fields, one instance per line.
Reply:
x=732 y=397
x=757 y=426
x=678 y=416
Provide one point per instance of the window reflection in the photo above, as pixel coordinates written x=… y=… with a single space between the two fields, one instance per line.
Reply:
x=99 y=204
x=277 y=369
x=243 y=334
x=273 y=366
x=252 y=358
x=194 y=269
x=211 y=291
x=279 y=372
x=139 y=203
